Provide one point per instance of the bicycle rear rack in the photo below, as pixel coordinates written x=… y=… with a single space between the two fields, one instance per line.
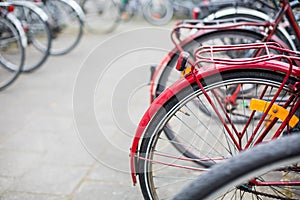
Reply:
x=257 y=52
x=261 y=53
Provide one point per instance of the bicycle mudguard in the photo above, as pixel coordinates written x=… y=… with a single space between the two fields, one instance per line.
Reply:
x=238 y=10
x=19 y=27
x=159 y=69
x=33 y=7
x=257 y=14
x=187 y=81
x=77 y=8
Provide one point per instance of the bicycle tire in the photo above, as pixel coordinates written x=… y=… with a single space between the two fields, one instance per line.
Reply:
x=66 y=25
x=35 y=21
x=202 y=136
x=251 y=13
x=11 y=50
x=101 y=16
x=238 y=170
x=159 y=13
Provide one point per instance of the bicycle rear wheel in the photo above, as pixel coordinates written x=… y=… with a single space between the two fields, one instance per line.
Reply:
x=66 y=25
x=233 y=179
x=163 y=166
x=34 y=22
x=12 y=53
x=158 y=12
x=102 y=16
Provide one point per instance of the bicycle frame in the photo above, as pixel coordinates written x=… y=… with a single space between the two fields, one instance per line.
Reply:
x=204 y=27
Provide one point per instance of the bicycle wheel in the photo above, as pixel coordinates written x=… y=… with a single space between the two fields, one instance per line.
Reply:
x=167 y=74
x=66 y=25
x=233 y=179
x=252 y=13
x=34 y=22
x=12 y=53
x=102 y=16
x=158 y=12
x=163 y=166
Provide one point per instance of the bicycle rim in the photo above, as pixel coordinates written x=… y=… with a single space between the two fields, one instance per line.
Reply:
x=101 y=16
x=259 y=165
x=158 y=12
x=65 y=25
x=163 y=166
x=12 y=53
x=38 y=37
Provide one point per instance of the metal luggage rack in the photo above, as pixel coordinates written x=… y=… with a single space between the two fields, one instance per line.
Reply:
x=263 y=51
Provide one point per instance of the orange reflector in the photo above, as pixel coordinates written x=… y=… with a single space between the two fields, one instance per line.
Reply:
x=275 y=111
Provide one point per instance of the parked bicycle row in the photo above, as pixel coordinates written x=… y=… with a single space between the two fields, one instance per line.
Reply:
x=31 y=31
x=230 y=84
x=104 y=16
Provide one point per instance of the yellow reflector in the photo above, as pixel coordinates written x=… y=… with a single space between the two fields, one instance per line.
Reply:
x=275 y=111
x=186 y=71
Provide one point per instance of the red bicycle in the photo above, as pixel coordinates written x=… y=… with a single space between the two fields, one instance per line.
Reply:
x=267 y=100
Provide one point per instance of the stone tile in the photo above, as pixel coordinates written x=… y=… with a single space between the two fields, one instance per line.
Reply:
x=28 y=141
x=5 y=184
x=12 y=195
x=16 y=163
x=68 y=150
x=49 y=123
x=10 y=125
x=56 y=180
x=106 y=174
x=102 y=190
x=56 y=147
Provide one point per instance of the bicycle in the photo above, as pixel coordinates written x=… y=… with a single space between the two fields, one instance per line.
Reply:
x=231 y=30
x=247 y=174
x=35 y=24
x=66 y=21
x=12 y=43
x=105 y=16
x=201 y=140
x=102 y=16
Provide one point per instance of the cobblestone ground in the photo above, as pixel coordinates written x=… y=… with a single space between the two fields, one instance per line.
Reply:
x=42 y=153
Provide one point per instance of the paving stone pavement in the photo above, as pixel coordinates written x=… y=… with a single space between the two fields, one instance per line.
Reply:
x=42 y=155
